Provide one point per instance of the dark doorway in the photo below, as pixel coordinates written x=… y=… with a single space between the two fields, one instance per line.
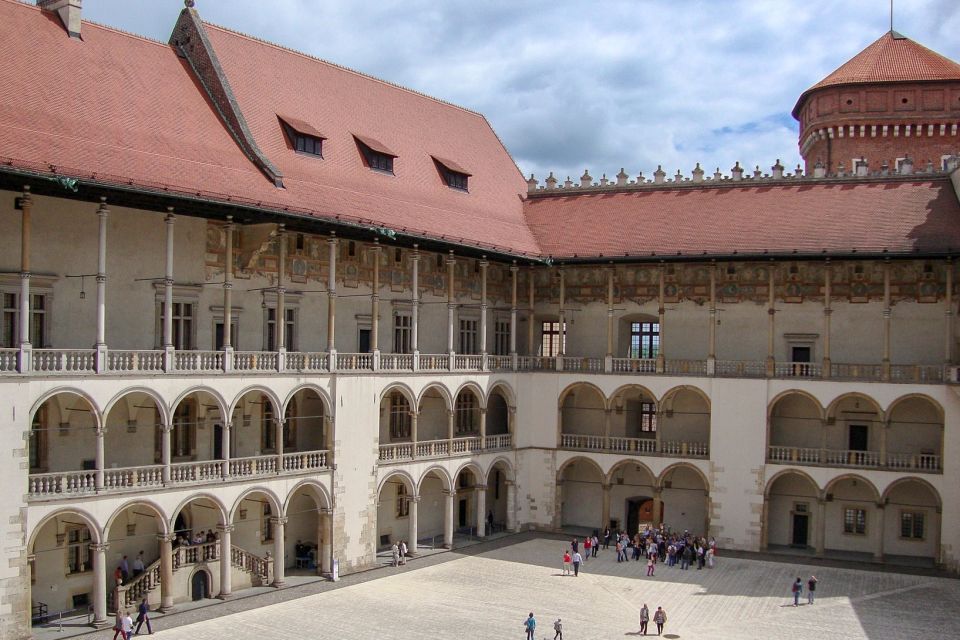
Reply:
x=462 y=513
x=199 y=586
x=800 y=356
x=363 y=341
x=639 y=513
x=800 y=530
x=180 y=526
x=858 y=437
x=217 y=442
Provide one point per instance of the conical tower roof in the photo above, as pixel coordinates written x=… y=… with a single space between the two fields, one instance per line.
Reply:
x=891 y=58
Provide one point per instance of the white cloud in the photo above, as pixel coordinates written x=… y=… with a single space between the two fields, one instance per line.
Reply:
x=599 y=85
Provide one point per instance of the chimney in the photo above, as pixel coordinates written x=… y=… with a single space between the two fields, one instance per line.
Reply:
x=69 y=12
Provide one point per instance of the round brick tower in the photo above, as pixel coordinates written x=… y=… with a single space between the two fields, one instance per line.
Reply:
x=894 y=100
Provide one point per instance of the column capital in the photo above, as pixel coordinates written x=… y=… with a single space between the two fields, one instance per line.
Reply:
x=169 y=218
x=327 y=511
x=166 y=537
x=278 y=520
x=102 y=210
x=483 y=262
x=99 y=546
x=27 y=198
x=415 y=256
x=514 y=268
x=451 y=260
x=333 y=240
x=225 y=528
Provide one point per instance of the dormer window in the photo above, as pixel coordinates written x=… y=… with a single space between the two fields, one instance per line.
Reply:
x=375 y=155
x=303 y=137
x=453 y=175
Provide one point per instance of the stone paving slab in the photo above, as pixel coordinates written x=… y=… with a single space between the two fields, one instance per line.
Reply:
x=486 y=593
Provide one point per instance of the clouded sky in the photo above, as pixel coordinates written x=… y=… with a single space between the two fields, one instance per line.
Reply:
x=570 y=85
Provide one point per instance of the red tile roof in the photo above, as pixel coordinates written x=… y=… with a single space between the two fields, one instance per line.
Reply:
x=866 y=216
x=891 y=58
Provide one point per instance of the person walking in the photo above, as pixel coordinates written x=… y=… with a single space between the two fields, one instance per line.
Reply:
x=587 y=544
x=660 y=619
x=595 y=545
x=566 y=562
x=118 y=624
x=395 y=552
x=811 y=588
x=558 y=630
x=530 y=624
x=143 y=615
x=127 y=625
x=797 y=589
x=606 y=538
x=403 y=552
x=138 y=565
x=577 y=560
x=650 y=565
x=644 y=618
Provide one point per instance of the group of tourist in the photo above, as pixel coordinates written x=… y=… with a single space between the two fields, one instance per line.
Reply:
x=653 y=544
x=123 y=624
x=399 y=552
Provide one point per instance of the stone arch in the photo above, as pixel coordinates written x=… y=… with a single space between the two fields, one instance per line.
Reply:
x=915 y=396
x=307 y=507
x=685 y=507
x=440 y=388
x=899 y=482
x=404 y=476
x=275 y=503
x=96 y=534
x=473 y=467
x=570 y=461
x=857 y=396
x=307 y=420
x=403 y=389
x=57 y=547
x=821 y=412
x=157 y=399
x=68 y=412
x=317 y=389
x=201 y=568
x=134 y=421
x=582 y=411
x=633 y=386
x=158 y=512
x=508 y=393
x=578 y=499
x=683 y=465
x=915 y=433
x=668 y=397
x=221 y=508
x=53 y=393
x=784 y=523
x=320 y=492
x=795 y=421
x=636 y=463
x=790 y=472
x=853 y=477
x=221 y=403
x=256 y=388
x=477 y=391
x=441 y=473
x=501 y=460
x=581 y=385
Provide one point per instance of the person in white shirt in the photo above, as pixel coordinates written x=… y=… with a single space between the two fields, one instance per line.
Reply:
x=138 y=565
x=577 y=559
x=126 y=624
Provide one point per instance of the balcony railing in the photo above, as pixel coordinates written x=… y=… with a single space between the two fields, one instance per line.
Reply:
x=138 y=362
x=635 y=446
x=70 y=483
x=427 y=449
x=925 y=462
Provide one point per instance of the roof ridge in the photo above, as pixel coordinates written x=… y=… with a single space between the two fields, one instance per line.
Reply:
x=86 y=21
x=341 y=67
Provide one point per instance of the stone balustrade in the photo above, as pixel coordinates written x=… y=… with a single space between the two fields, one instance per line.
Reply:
x=806 y=456
x=634 y=446
x=431 y=449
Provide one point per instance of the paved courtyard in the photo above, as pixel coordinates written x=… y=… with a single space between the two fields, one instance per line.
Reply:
x=487 y=594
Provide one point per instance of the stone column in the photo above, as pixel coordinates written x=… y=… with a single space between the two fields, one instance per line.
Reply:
x=765 y=524
x=511 y=487
x=481 y=505
x=100 y=584
x=228 y=297
x=375 y=302
x=279 y=425
x=449 y=503
x=451 y=422
x=168 y=295
x=531 y=345
x=225 y=445
x=605 y=508
x=165 y=431
x=26 y=207
x=412 y=522
x=948 y=329
x=878 y=550
x=279 y=551
x=98 y=457
x=827 y=312
x=608 y=360
x=819 y=536
x=413 y=432
x=513 y=313
x=563 y=321
x=226 y=561
x=771 y=329
x=662 y=313
x=325 y=542
x=658 y=507
x=332 y=299
x=101 y=343
x=166 y=571
x=887 y=313
x=712 y=349
x=483 y=309
x=483 y=427
x=280 y=313
x=451 y=307
x=415 y=309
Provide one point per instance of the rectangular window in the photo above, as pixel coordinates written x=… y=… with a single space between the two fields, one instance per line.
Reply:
x=468 y=336
x=644 y=340
x=289 y=329
x=455 y=179
x=377 y=159
x=11 y=320
x=183 y=316
x=268 y=429
x=181 y=438
x=501 y=337
x=402 y=332
x=266 y=524
x=307 y=144
x=911 y=525
x=218 y=335
x=399 y=417
x=79 y=554
x=551 y=337
x=466 y=407
x=403 y=504
x=648 y=417
x=855 y=521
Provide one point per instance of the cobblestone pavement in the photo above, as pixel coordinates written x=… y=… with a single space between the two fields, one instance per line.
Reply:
x=487 y=593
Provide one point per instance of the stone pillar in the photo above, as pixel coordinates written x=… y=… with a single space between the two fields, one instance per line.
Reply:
x=662 y=313
x=332 y=298
x=412 y=522
x=483 y=308
x=481 y=504
x=413 y=432
x=225 y=445
x=771 y=329
x=26 y=349
x=168 y=295
x=166 y=571
x=712 y=348
x=101 y=342
x=449 y=504
x=280 y=313
x=511 y=487
x=513 y=313
x=827 y=312
x=451 y=425
x=100 y=584
x=226 y=561
x=658 y=508
x=165 y=431
x=483 y=427
x=608 y=364
x=562 y=319
x=531 y=345
x=415 y=308
x=451 y=307
x=98 y=457
x=228 y=297
x=765 y=524
x=948 y=329
x=375 y=301
x=819 y=536
x=558 y=506
x=887 y=313
x=279 y=551
x=605 y=508
x=325 y=542
x=878 y=541
x=279 y=425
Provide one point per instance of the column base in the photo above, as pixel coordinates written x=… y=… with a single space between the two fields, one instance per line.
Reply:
x=227 y=359
x=101 y=624
x=167 y=609
x=278 y=584
x=225 y=596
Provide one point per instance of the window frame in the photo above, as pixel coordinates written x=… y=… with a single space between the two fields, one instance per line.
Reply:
x=75 y=549
x=501 y=337
x=468 y=332
x=914 y=517
x=858 y=524
x=553 y=338
x=402 y=332
x=402 y=507
x=644 y=339
x=399 y=418
x=465 y=409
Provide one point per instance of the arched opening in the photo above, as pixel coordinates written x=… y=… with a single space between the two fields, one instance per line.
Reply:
x=470 y=503
x=394 y=524
x=61 y=562
x=914 y=437
x=305 y=423
x=912 y=521
x=197 y=432
x=200 y=587
x=309 y=523
x=433 y=506
x=580 y=494
x=432 y=418
x=686 y=499
x=685 y=423
x=195 y=526
x=498 y=413
x=791 y=513
x=135 y=551
x=255 y=521
x=256 y=429
x=63 y=437
x=797 y=433
x=853 y=520
x=633 y=420
x=395 y=418
x=638 y=337
x=134 y=438
x=582 y=417
x=500 y=498
x=854 y=432
x=634 y=502
x=466 y=414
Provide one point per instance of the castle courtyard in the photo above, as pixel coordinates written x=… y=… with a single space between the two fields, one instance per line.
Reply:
x=489 y=592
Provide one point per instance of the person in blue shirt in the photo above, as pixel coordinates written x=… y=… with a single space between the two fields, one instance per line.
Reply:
x=530 y=625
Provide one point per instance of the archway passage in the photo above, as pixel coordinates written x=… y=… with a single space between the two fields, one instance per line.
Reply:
x=306 y=426
x=912 y=522
x=686 y=499
x=62 y=557
x=309 y=524
x=434 y=509
x=853 y=518
x=685 y=424
x=133 y=535
x=470 y=504
x=500 y=498
x=791 y=512
x=914 y=436
x=65 y=436
x=797 y=433
x=582 y=412
x=498 y=413
x=197 y=431
x=580 y=494
x=633 y=498
x=134 y=438
x=395 y=503
x=256 y=428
